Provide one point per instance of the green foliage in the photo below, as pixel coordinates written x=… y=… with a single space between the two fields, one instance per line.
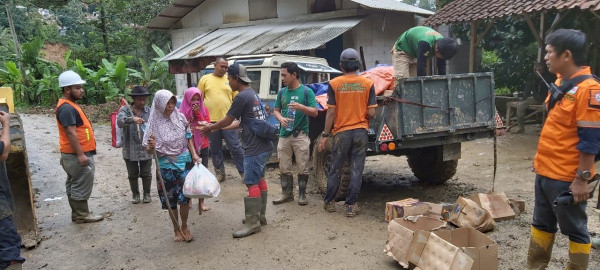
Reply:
x=503 y=91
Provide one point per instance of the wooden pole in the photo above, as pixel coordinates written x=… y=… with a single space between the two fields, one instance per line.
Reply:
x=542 y=36
x=164 y=192
x=473 y=45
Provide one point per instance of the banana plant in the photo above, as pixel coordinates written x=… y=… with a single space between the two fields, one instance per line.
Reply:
x=11 y=76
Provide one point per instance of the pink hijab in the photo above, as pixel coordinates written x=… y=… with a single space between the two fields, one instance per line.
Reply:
x=169 y=131
x=186 y=109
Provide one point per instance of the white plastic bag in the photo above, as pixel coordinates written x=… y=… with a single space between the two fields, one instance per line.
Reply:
x=201 y=183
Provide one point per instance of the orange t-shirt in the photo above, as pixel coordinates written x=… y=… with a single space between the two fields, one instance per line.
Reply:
x=557 y=156
x=350 y=95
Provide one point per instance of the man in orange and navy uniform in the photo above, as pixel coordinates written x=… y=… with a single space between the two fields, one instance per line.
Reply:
x=351 y=103
x=77 y=147
x=568 y=143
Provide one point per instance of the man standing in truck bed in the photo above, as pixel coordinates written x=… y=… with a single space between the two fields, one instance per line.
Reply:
x=418 y=44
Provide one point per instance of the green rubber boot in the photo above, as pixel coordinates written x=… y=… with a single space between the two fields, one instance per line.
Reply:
x=73 y=213
x=263 y=208
x=287 y=189
x=83 y=214
x=252 y=224
x=302 y=182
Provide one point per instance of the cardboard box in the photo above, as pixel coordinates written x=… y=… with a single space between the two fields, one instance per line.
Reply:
x=411 y=207
x=479 y=247
x=400 y=233
x=466 y=213
x=496 y=203
x=429 y=251
x=459 y=249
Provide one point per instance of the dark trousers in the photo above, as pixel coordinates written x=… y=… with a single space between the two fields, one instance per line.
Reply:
x=348 y=145
x=204 y=156
x=571 y=218
x=10 y=243
x=233 y=143
x=139 y=169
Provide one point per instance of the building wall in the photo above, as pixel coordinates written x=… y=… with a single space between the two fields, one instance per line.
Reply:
x=235 y=11
x=292 y=8
x=261 y=9
x=208 y=13
x=377 y=34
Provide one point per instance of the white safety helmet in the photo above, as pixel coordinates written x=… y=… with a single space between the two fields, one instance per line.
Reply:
x=69 y=78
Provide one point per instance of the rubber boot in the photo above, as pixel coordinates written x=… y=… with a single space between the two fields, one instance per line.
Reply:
x=579 y=256
x=146 y=183
x=287 y=189
x=220 y=173
x=135 y=190
x=263 y=208
x=73 y=213
x=147 y=198
x=540 y=249
x=302 y=182
x=83 y=214
x=252 y=224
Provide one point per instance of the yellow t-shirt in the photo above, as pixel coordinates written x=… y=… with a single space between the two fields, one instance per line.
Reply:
x=217 y=95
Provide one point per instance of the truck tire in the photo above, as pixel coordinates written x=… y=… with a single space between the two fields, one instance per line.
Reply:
x=428 y=166
x=321 y=161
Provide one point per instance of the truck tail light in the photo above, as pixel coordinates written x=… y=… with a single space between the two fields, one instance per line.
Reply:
x=391 y=146
x=383 y=147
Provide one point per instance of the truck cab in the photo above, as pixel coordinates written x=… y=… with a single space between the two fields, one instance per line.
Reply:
x=264 y=71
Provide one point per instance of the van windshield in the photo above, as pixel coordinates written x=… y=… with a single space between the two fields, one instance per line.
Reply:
x=254 y=75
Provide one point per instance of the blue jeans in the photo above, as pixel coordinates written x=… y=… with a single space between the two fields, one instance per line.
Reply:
x=233 y=143
x=10 y=243
x=571 y=218
x=254 y=167
x=347 y=145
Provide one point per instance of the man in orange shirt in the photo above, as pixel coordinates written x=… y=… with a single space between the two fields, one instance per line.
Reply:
x=351 y=103
x=568 y=143
x=77 y=147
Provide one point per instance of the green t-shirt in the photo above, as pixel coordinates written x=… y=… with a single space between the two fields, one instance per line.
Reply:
x=285 y=96
x=409 y=40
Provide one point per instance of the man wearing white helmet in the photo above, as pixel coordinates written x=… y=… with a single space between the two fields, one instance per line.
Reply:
x=77 y=147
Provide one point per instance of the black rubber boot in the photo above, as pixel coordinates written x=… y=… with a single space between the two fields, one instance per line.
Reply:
x=287 y=189
x=302 y=182
x=83 y=214
x=252 y=224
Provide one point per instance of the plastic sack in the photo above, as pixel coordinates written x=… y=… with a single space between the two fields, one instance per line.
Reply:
x=115 y=130
x=201 y=183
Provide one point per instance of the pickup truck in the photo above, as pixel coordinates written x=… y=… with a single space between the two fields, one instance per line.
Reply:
x=424 y=118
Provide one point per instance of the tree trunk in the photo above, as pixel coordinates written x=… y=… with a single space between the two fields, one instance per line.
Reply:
x=104 y=33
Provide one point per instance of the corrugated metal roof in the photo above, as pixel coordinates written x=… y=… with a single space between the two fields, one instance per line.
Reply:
x=394 y=5
x=471 y=10
x=264 y=38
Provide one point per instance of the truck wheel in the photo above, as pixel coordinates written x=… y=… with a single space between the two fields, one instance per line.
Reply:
x=321 y=161
x=428 y=166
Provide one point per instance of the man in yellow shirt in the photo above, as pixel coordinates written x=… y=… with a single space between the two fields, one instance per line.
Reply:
x=218 y=97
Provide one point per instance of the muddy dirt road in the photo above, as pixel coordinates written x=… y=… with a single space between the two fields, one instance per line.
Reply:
x=140 y=236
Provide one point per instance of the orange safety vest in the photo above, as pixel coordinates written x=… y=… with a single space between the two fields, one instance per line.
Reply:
x=85 y=132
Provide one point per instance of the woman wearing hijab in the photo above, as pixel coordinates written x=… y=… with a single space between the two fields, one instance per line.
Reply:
x=196 y=113
x=168 y=133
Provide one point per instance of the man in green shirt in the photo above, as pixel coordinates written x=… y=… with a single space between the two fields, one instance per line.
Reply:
x=416 y=46
x=293 y=105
